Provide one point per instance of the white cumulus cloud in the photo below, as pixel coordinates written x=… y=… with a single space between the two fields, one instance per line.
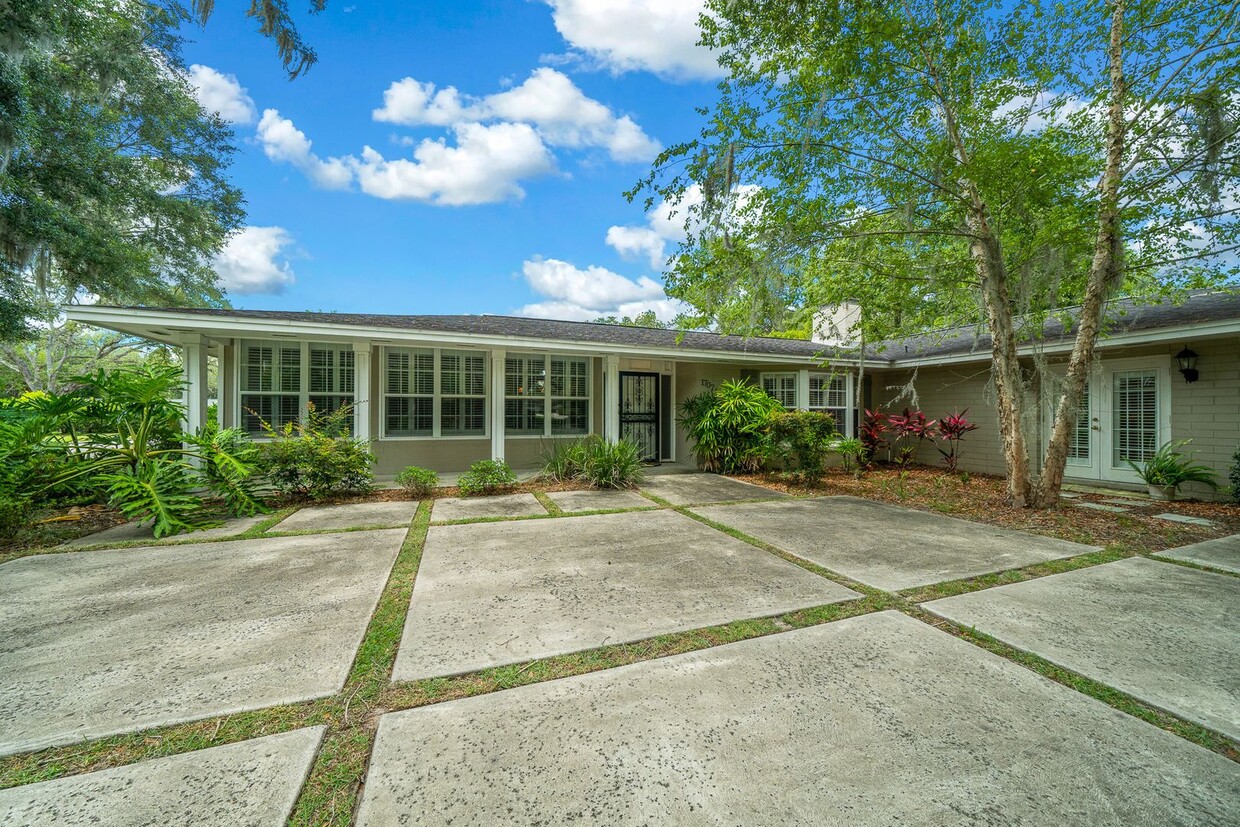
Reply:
x=668 y=224
x=486 y=165
x=282 y=141
x=253 y=261
x=222 y=94
x=548 y=100
x=580 y=294
x=658 y=36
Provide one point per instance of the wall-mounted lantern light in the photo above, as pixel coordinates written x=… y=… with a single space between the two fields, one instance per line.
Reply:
x=1187 y=360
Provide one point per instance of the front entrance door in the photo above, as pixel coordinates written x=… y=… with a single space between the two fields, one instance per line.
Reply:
x=1124 y=415
x=639 y=412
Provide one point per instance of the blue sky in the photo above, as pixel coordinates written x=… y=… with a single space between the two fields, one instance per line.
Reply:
x=496 y=190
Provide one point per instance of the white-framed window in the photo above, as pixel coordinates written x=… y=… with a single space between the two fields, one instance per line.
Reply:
x=462 y=393
x=408 y=391
x=828 y=392
x=782 y=387
x=431 y=392
x=1135 y=415
x=535 y=384
x=277 y=380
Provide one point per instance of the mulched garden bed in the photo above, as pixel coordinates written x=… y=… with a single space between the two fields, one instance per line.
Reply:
x=982 y=498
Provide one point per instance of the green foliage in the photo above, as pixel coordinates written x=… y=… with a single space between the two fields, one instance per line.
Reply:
x=562 y=460
x=808 y=437
x=14 y=513
x=113 y=177
x=121 y=431
x=487 y=476
x=1234 y=476
x=611 y=465
x=315 y=457
x=729 y=426
x=417 y=481
x=852 y=453
x=1170 y=468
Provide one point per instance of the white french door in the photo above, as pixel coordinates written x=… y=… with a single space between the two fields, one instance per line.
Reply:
x=1125 y=414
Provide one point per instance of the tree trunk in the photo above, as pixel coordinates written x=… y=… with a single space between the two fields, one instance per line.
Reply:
x=1104 y=276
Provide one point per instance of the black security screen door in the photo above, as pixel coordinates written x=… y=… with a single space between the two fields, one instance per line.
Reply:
x=639 y=412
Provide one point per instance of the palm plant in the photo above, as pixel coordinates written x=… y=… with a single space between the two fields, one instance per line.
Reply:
x=1169 y=468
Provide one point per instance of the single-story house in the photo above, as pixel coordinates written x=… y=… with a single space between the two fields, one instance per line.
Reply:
x=444 y=391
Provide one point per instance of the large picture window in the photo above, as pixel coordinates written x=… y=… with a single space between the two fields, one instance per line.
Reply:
x=428 y=392
x=535 y=384
x=278 y=380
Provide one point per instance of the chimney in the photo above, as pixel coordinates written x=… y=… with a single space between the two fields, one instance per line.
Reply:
x=836 y=325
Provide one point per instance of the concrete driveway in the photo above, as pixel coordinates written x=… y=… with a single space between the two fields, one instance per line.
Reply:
x=881 y=718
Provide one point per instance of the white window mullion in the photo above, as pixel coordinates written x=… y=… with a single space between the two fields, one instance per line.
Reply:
x=304 y=385
x=437 y=395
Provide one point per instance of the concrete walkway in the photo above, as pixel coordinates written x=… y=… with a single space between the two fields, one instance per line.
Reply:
x=886 y=546
x=488 y=594
x=874 y=720
x=102 y=642
x=1223 y=553
x=1167 y=634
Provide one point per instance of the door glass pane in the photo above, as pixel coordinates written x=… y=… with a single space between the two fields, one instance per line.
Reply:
x=1134 y=434
x=1079 y=445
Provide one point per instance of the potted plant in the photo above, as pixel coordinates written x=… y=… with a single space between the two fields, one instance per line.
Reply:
x=1169 y=468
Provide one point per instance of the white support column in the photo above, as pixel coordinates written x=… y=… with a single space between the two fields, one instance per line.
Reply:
x=219 y=351
x=803 y=389
x=497 y=403
x=611 y=398
x=362 y=409
x=194 y=359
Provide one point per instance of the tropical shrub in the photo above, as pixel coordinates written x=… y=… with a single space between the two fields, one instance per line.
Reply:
x=14 y=512
x=487 y=476
x=808 y=438
x=729 y=426
x=1171 y=468
x=611 y=464
x=952 y=428
x=873 y=428
x=851 y=453
x=121 y=432
x=907 y=427
x=417 y=481
x=315 y=458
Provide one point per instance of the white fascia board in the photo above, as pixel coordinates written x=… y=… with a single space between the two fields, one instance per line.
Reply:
x=1140 y=337
x=133 y=321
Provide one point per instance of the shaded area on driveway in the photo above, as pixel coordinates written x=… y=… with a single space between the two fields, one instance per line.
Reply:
x=102 y=642
x=494 y=593
x=886 y=546
x=252 y=782
x=878 y=719
x=1166 y=634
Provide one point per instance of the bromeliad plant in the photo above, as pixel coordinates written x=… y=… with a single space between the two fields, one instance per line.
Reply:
x=952 y=428
x=122 y=431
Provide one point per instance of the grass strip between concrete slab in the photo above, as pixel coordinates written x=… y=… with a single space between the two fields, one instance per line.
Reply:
x=951 y=588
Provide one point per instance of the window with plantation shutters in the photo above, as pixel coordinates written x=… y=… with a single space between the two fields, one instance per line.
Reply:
x=270 y=383
x=408 y=392
x=1079 y=447
x=463 y=393
x=1134 y=427
x=331 y=378
x=525 y=394
x=782 y=387
x=570 y=395
x=828 y=393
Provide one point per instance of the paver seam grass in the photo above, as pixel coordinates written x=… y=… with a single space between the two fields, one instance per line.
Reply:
x=251 y=533
x=1188 y=564
x=561 y=515
x=548 y=503
x=1115 y=698
x=907 y=602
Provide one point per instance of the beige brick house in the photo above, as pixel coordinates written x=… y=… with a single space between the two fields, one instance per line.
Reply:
x=445 y=391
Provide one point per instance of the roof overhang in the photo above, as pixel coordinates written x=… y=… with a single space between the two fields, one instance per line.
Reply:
x=173 y=328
